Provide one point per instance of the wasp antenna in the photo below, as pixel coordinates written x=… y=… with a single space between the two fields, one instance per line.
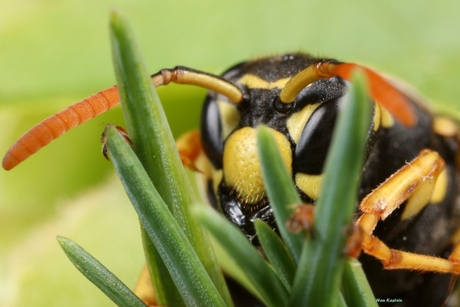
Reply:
x=54 y=126
x=184 y=75
x=299 y=81
x=381 y=90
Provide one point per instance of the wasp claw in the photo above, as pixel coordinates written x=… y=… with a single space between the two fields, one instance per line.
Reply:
x=123 y=133
x=354 y=243
x=301 y=219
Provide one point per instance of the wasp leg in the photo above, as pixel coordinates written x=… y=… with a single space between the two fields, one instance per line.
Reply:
x=123 y=133
x=415 y=183
x=191 y=151
x=301 y=219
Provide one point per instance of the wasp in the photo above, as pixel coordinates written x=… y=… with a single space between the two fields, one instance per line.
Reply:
x=409 y=211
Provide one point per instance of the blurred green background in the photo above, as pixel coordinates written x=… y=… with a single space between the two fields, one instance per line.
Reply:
x=56 y=52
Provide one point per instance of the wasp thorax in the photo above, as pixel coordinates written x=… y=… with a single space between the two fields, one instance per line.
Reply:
x=241 y=163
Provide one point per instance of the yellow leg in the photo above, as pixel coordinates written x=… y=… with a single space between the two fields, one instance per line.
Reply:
x=379 y=204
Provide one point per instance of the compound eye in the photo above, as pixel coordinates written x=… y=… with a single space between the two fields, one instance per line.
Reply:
x=211 y=132
x=313 y=144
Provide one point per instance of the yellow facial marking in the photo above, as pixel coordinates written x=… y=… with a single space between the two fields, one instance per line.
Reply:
x=297 y=121
x=241 y=163
x=440 y=188
x=252 y=81
x=230 y=117
x=309 y=184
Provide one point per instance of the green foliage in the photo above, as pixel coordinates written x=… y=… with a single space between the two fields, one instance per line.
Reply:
x=277 y=253
x=99 y=275
x=154 y=145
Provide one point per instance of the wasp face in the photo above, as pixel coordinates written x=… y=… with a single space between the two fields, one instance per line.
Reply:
x=302 y=130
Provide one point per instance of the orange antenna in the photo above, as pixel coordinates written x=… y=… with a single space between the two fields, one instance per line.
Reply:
x=381 y=90
x=56 y=125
